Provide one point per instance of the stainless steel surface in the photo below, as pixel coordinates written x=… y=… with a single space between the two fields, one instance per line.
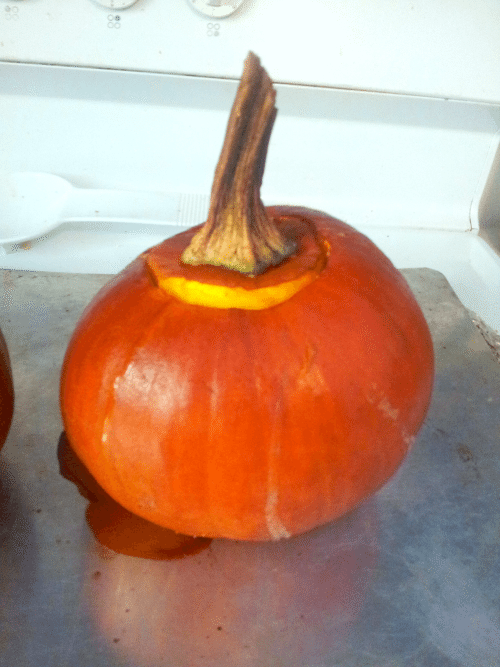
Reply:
x=409 y=579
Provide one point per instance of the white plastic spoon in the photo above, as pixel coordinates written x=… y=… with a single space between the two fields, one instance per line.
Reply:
x=33 y=204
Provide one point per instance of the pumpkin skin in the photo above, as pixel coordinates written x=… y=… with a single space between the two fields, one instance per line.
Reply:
x=250 y=424
x=6 y=391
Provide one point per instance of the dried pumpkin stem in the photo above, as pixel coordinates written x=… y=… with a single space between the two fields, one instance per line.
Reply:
x=238 y=234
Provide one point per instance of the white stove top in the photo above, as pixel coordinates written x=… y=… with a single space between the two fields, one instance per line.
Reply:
x=380 y=122
x=415 y=47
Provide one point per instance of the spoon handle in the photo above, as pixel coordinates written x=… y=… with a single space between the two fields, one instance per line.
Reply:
x=115 y=206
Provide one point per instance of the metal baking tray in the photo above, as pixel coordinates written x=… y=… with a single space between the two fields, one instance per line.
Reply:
x=410 y=578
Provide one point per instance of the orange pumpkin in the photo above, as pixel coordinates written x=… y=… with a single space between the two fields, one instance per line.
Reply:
x=6 y=391
x=112 y=525
x=250 y=398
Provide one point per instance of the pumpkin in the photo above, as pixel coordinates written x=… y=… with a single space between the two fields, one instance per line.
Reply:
x=6 y=391
x=112 y=525
x=253 y=377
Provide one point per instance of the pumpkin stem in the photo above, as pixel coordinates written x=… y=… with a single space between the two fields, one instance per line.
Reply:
x=238 y=233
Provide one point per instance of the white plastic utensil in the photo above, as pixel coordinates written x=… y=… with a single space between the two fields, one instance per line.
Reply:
x=33 y=204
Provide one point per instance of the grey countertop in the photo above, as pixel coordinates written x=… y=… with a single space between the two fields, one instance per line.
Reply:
x=409 y=579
